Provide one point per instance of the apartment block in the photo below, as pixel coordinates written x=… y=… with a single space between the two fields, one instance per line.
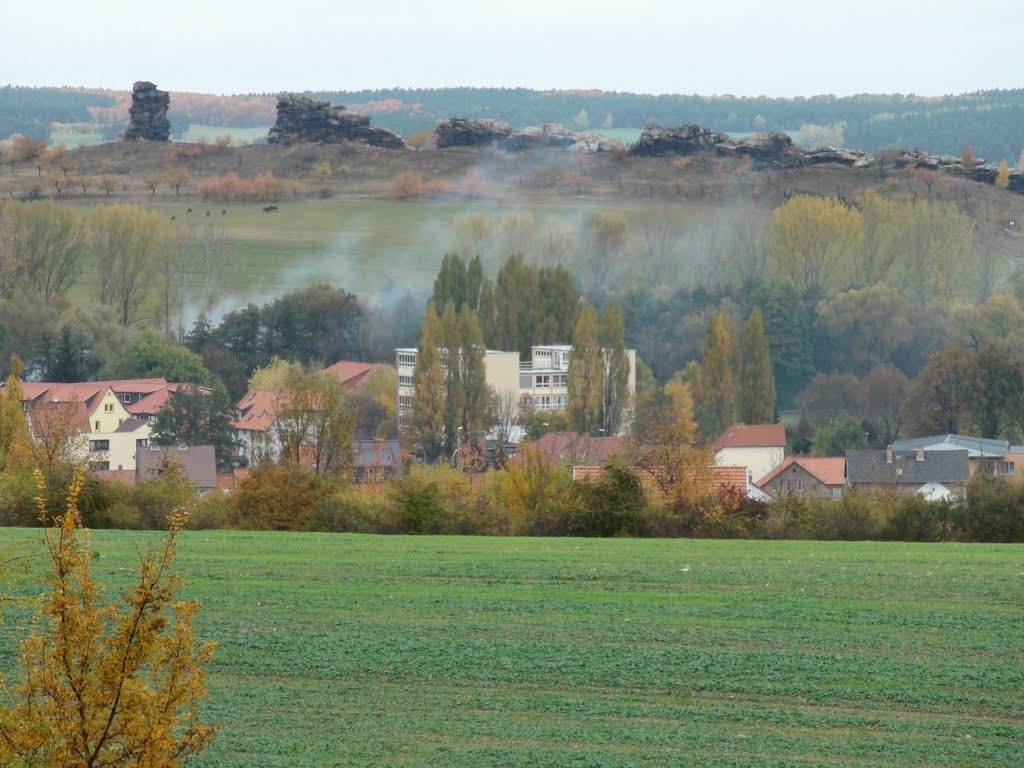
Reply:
x=542 y=381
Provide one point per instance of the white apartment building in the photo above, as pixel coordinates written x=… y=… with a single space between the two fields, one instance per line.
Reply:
x=542 y=381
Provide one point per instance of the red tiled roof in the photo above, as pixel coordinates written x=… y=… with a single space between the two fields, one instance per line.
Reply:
x=123 y=476
x=157 y=398
x=257 y=410
x=579 y=449
x=46 y=418
x=830 y=470
x=752 y=436
x=723 y=478
x=349 y=373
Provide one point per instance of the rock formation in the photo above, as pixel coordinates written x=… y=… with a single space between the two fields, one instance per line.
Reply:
x=772 y=149
x=148 y=113
x=464 y=132
x=302 y=120
x=558 y=137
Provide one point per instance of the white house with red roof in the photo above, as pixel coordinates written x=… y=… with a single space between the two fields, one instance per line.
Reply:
x=113 y=421
x=758 y=447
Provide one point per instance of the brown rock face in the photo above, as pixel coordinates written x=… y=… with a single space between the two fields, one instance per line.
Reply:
x=464 y=132
x=302 y=120
x=148 y=113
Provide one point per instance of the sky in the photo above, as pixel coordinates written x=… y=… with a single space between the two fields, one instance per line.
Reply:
x=744 y=48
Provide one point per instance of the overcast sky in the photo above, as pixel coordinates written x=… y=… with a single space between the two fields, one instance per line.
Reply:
x=794 y=48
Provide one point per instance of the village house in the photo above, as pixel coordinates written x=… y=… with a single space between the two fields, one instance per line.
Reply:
x=198 y=464
x=822 y=478
x=992 y=456
x=935 y=475
x=102 y=422
x=758 y=447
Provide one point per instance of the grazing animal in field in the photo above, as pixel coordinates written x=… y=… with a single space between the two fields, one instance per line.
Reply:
x=207 y=213
x=189 y=211
x=173 y=218
x=270 y=209
x=222 y=211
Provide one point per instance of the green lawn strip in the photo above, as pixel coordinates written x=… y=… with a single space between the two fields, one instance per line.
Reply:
x=362 y=650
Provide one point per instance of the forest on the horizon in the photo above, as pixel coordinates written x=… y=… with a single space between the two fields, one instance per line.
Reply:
x=986 y=120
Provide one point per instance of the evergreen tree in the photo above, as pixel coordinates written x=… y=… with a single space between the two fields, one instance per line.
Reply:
x=194 y=417
x=586 y=374
x=716 y=383
x=429 y=384
x=756 y=393
x=615 y=400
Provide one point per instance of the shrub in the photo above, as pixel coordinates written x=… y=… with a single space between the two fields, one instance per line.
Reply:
x=611 y=505
x=915 y=519
x=419 y=506
x=276 y=498
x=406 y=185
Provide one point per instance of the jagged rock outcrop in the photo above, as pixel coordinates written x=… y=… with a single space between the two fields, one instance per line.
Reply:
x=148 y=113
x=689 y=139
x=771 y=149
x=302 y=120
x=554 y=136
x=464 y=132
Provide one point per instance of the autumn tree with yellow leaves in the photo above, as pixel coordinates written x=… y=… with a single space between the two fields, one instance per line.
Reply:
x=116 y=684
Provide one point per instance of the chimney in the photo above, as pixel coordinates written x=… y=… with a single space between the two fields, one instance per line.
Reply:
x=920 y=453
x=888 y=454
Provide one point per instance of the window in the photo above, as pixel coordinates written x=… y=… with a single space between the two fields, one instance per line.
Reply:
x=126 y=399
x=544 y=381
x=141 y=443
x=1006 y=468
x=99 y=445
x=99 y=465
x=799 y=486
x=405 y=358
x=837 y=493
x=789 y=486
x=97 y=427
x=108 y=407
x=405 y=381
x=405 y=401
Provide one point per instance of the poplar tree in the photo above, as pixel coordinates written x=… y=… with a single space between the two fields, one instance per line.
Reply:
x=15 y=440
x=429 y=387
x=586 y=374
x=716 y=384
x=474 y=368
x=454 y=383
x=450 y=283
x=615 y=400
x=756 y=395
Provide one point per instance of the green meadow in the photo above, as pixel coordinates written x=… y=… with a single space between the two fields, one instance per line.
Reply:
x=347 y=650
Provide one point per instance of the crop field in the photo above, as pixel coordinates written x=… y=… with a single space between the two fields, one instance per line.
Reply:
x=412 y=651
x=375 y=248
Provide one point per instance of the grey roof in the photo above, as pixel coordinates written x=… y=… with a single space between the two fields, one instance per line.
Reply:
x=977 y=447
x=376 y=453
x=941 y=466
x=130 y=425
x=198 y=461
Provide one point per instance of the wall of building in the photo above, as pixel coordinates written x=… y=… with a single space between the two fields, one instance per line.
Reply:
x=760 y=461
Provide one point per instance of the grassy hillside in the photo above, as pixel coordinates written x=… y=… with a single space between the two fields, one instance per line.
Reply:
x=358 y=650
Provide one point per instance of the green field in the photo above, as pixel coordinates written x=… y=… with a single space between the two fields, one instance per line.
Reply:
x=404 y=651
